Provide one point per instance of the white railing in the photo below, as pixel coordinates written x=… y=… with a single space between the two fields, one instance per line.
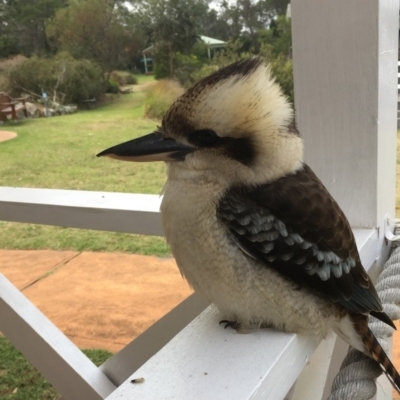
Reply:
x=398 y=98
x=202 y=358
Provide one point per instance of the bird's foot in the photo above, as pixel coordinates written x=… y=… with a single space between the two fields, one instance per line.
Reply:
x=240 y=328
x=232 y=324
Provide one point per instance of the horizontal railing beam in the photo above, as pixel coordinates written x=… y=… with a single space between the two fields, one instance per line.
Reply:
x=116 y=212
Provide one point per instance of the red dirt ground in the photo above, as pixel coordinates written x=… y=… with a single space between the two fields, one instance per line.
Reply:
x=99 y=300
x=7 y=135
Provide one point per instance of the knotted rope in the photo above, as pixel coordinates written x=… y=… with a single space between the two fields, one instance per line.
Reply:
x=357 y=375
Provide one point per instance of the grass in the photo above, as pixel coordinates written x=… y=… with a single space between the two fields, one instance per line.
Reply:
x=142 y=79
x=20 y=381
x=60 y=153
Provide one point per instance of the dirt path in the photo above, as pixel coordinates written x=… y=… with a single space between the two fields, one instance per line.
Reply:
x=99 y=300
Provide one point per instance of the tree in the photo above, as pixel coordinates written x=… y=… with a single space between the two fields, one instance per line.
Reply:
x=96 y=30
x=278 y=38
x=216 y=26
x=248 y=17
x=277 y=7
x=172 y=25
x=23 y=25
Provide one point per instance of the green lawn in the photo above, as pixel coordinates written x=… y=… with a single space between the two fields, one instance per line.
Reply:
x=20 y=381
x=144 y=79
x=59 y=152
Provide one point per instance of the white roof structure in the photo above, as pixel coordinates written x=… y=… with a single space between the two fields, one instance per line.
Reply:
x=212 y=43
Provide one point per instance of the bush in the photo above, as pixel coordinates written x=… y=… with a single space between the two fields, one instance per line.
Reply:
x=112 y=87
x=6 y=66
x=161 y=69
x=160 y=96
x=8 y=46
x=64 y=79
x=186 y=68
x=123 y=78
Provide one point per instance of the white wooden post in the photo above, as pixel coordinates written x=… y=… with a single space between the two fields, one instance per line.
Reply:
x=345 y=72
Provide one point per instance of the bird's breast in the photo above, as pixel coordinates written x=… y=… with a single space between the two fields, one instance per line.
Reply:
x=241 y=287
x=197 y=239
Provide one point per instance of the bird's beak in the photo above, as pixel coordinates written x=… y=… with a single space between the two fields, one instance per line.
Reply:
x=151 y=147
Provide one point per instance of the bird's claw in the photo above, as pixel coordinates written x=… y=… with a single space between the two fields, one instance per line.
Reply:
x=232 y=324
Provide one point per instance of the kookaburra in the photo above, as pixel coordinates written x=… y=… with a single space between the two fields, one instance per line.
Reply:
x=250 y=225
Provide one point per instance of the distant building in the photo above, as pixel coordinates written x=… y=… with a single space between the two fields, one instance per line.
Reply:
x=212 y=44
x=146 y=63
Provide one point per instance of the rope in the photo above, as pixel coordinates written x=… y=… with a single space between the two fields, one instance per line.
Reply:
x=358 y=372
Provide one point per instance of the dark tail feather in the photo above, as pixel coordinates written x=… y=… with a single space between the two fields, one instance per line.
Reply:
x=379 y=355
x=384 y=318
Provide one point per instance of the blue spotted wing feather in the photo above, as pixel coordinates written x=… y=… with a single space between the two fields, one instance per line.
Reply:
x=294 y=226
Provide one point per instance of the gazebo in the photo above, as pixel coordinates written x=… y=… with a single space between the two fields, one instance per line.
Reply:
x=211 y=44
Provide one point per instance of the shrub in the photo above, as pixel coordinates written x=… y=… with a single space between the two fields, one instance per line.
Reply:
x=161 y=69
x=123 y=78
x=83 y=81
x=64 y=79
x=186 y=68
x=6 y=65
x=8 y=46
x=160 y=96
x=112 y=87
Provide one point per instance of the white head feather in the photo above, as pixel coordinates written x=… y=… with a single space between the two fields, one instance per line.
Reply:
x=239 y=101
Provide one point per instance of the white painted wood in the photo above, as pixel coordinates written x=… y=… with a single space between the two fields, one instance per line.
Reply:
x=204 y=361
x=312 y=380
x=48 y=349
x=345 y=74
x=119 y=367
x=117 y=212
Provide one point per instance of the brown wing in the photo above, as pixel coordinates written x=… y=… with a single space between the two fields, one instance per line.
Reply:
x=295 y=226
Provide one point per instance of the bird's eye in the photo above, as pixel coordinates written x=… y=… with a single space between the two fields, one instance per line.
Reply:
x=206 y=137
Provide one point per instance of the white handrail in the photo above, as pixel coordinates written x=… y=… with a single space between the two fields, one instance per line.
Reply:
x=116 y=212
